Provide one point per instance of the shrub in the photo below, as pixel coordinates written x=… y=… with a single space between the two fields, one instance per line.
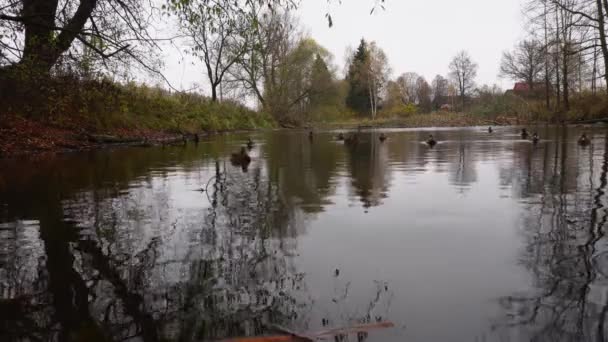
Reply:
x=403 y=110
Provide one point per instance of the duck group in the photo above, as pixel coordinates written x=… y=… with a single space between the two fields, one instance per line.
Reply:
x=243 y=159
x=525 y=135
x=583 y=140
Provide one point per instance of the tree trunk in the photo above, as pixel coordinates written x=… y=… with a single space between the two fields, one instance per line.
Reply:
x=557 y=53
x=371 y=101
x=214 y=92
x=42 y=46
x=462 y=97
x=567 y=38
x=594 y=73
x=602 y=32
x=546 y=52
x=39 y=19
x=565 y=76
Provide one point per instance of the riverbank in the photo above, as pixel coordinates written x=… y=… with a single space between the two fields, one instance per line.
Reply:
x=20 y=135
x=25 y=136
x=425 y=120
x=64 y=113
x=444 y=120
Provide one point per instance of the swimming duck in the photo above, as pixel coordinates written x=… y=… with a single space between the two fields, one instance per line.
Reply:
x=583 y=140
x=490 y=130
x=250 y=144
x=382 y=137
x=241 y=158
x=431 y=142
x=535 y=138
x=524 y=133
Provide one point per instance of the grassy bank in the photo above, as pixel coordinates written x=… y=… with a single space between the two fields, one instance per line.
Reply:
x=105 y=106
x=63 y=112
x=424 y=120
x=486 y=110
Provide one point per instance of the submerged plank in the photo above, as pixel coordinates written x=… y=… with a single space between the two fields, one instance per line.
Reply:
x=294 y=337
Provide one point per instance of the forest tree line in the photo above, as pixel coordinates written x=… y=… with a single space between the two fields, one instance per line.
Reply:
x=256 y=49
x=565 y=55
x=246 y=49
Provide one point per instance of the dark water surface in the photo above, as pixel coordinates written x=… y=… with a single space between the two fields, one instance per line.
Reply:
x=483 y=238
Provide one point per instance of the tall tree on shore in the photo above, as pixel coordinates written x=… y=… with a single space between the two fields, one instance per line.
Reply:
x=440 y=91
x=280 y=68
x=323 y=86
x=218 y=39
x=378 y=75
x=463 y=71
x=423 y=93
x=573 y=15
x=358 y=97
x=525 y=63
x=407 y=84
x=601 y=28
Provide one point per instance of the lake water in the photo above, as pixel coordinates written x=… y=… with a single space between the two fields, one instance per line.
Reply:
x=485 y=237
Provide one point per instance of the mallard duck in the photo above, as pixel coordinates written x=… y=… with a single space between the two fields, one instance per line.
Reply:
x=431 y=142
x=535 y=138
x=583 y=140
x=241 y=158
x=490 y=130
x=524 y=133
x=250 y=144
x=382 y=137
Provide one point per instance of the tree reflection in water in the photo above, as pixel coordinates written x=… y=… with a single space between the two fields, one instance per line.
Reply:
x=222 y=271
x=120 y=245
x=566 y=247
x=105 y=266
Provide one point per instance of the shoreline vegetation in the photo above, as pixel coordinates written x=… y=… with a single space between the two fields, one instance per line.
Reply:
x=67 y=115
x=66 y=75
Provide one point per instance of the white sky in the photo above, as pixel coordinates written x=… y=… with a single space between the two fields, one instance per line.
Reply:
x=417 y=35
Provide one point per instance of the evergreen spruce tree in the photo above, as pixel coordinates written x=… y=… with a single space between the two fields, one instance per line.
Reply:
x=358 y=98
x=321 y=83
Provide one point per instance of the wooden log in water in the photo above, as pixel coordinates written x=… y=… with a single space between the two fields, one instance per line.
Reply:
x=292 y=337
x=111 y=139
x=354 y=329
x=276 y=338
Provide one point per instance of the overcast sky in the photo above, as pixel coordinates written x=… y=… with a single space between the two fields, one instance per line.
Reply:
x=417 y=35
